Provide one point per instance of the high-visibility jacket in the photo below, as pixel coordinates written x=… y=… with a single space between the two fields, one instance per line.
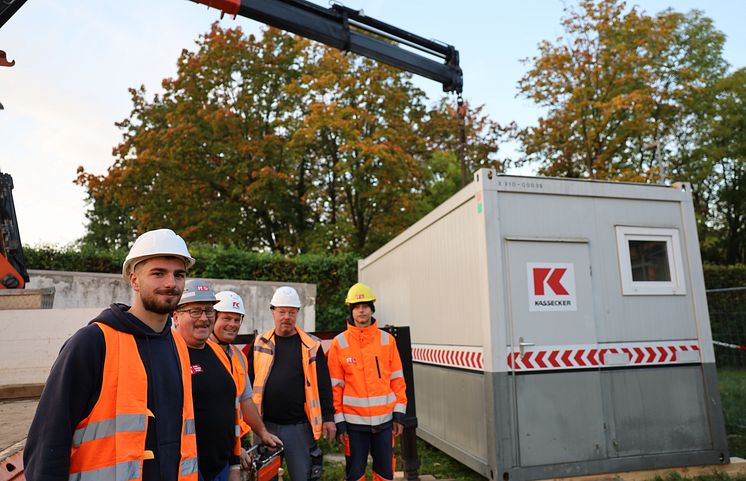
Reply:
x=367 y=377
x=240 y=363
x=233 y=366
x=109 y=444
x=264 y=355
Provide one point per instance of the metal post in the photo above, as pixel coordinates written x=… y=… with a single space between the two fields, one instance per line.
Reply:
x=409 y=437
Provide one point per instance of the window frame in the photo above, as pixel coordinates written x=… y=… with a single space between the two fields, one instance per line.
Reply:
x=676 y=286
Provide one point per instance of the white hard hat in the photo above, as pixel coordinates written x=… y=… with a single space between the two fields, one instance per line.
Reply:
x=197 y=290
x=156 y=243
x=229 y=301
x=285 y=296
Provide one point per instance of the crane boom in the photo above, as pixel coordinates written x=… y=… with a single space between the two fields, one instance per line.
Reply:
x=351 y=30
x=339 y=27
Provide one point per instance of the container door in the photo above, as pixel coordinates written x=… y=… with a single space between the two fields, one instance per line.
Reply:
x=553 y=353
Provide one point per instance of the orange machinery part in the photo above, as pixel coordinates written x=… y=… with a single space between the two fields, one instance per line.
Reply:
x=226 y=6
x=11 y=468
x=7 y=270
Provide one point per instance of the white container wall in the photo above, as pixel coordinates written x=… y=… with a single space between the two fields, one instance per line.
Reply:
x=559 y=327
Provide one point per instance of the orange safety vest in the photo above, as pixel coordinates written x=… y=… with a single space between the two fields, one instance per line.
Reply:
x=264 y=355
x=239 y=361
x=109 y=444
x=233 y=369
x=367 y=376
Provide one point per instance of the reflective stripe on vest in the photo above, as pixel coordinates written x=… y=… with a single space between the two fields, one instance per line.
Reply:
x=123 y=423
x=109 y=444
x=190 y=427
x=366 y=402
x=264 y=353
x=189 y=466
x=121 y=472
x=368 y=420
x=342 y=340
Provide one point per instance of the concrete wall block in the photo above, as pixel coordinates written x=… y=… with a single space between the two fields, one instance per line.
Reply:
x=89 y=289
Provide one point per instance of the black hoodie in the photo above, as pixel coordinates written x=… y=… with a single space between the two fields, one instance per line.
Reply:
x=74 y=386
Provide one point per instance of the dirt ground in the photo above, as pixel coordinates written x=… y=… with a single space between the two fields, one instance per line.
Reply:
x=15 y=419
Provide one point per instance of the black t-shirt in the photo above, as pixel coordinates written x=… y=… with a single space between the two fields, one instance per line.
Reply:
x=214 y=393
x=284 y=393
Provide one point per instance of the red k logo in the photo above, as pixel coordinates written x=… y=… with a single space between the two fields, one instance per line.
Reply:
x=551 y=286
x=552 y=278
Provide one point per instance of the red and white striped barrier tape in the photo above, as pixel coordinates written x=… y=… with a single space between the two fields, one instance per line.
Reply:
x=546 y=358
x=728 y=345
x=461 y=357
x=604 y=356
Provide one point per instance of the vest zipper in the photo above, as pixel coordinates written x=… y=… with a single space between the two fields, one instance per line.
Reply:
x=378 y=368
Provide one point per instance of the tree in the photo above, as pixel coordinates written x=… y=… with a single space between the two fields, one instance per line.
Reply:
x=277 y=144
x=209 y=157
x=620 y=91
x=722 y=154
x=441 y=131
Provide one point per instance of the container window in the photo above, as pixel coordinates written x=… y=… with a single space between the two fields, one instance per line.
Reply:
x=650 y=261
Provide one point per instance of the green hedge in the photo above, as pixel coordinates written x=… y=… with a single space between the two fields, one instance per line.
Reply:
x=719 y=277
x=333 y=275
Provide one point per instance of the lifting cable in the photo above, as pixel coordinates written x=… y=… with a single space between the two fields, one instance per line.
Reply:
x=461 y=149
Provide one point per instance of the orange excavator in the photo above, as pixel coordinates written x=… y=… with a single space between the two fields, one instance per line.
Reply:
x=13 y=274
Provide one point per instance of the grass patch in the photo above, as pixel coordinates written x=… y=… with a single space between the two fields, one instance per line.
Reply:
x=442 y=466
x=732 y=384
x=433 y=462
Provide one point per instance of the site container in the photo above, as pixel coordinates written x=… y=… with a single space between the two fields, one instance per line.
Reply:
x=559 y=327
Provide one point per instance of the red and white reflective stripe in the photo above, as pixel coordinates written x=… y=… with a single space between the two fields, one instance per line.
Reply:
x=540 y=358
x=450 y=356
x=729 y=345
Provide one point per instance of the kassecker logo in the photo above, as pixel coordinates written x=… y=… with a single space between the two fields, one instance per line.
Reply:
x=196 y=369
x=551 y=286
x=351 y=360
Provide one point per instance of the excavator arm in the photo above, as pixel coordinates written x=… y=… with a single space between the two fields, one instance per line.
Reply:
x=339 y=27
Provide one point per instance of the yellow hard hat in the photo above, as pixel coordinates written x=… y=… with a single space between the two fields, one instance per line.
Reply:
x=359 y=293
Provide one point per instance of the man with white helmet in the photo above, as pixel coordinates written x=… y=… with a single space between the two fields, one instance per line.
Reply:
x=216 y=387
x=228 y=318
x=118 y=400
x=292 y=387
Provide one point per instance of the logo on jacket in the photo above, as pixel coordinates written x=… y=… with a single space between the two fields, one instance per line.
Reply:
x=196 y=369
x=351 y=360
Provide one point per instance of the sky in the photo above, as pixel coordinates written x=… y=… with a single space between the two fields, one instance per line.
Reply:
x=76 y=60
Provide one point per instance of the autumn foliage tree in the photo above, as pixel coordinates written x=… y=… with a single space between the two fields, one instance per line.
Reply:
x=619 y=91
x=276 y=144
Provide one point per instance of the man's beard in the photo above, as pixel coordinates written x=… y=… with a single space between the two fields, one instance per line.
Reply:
x=159 y=306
